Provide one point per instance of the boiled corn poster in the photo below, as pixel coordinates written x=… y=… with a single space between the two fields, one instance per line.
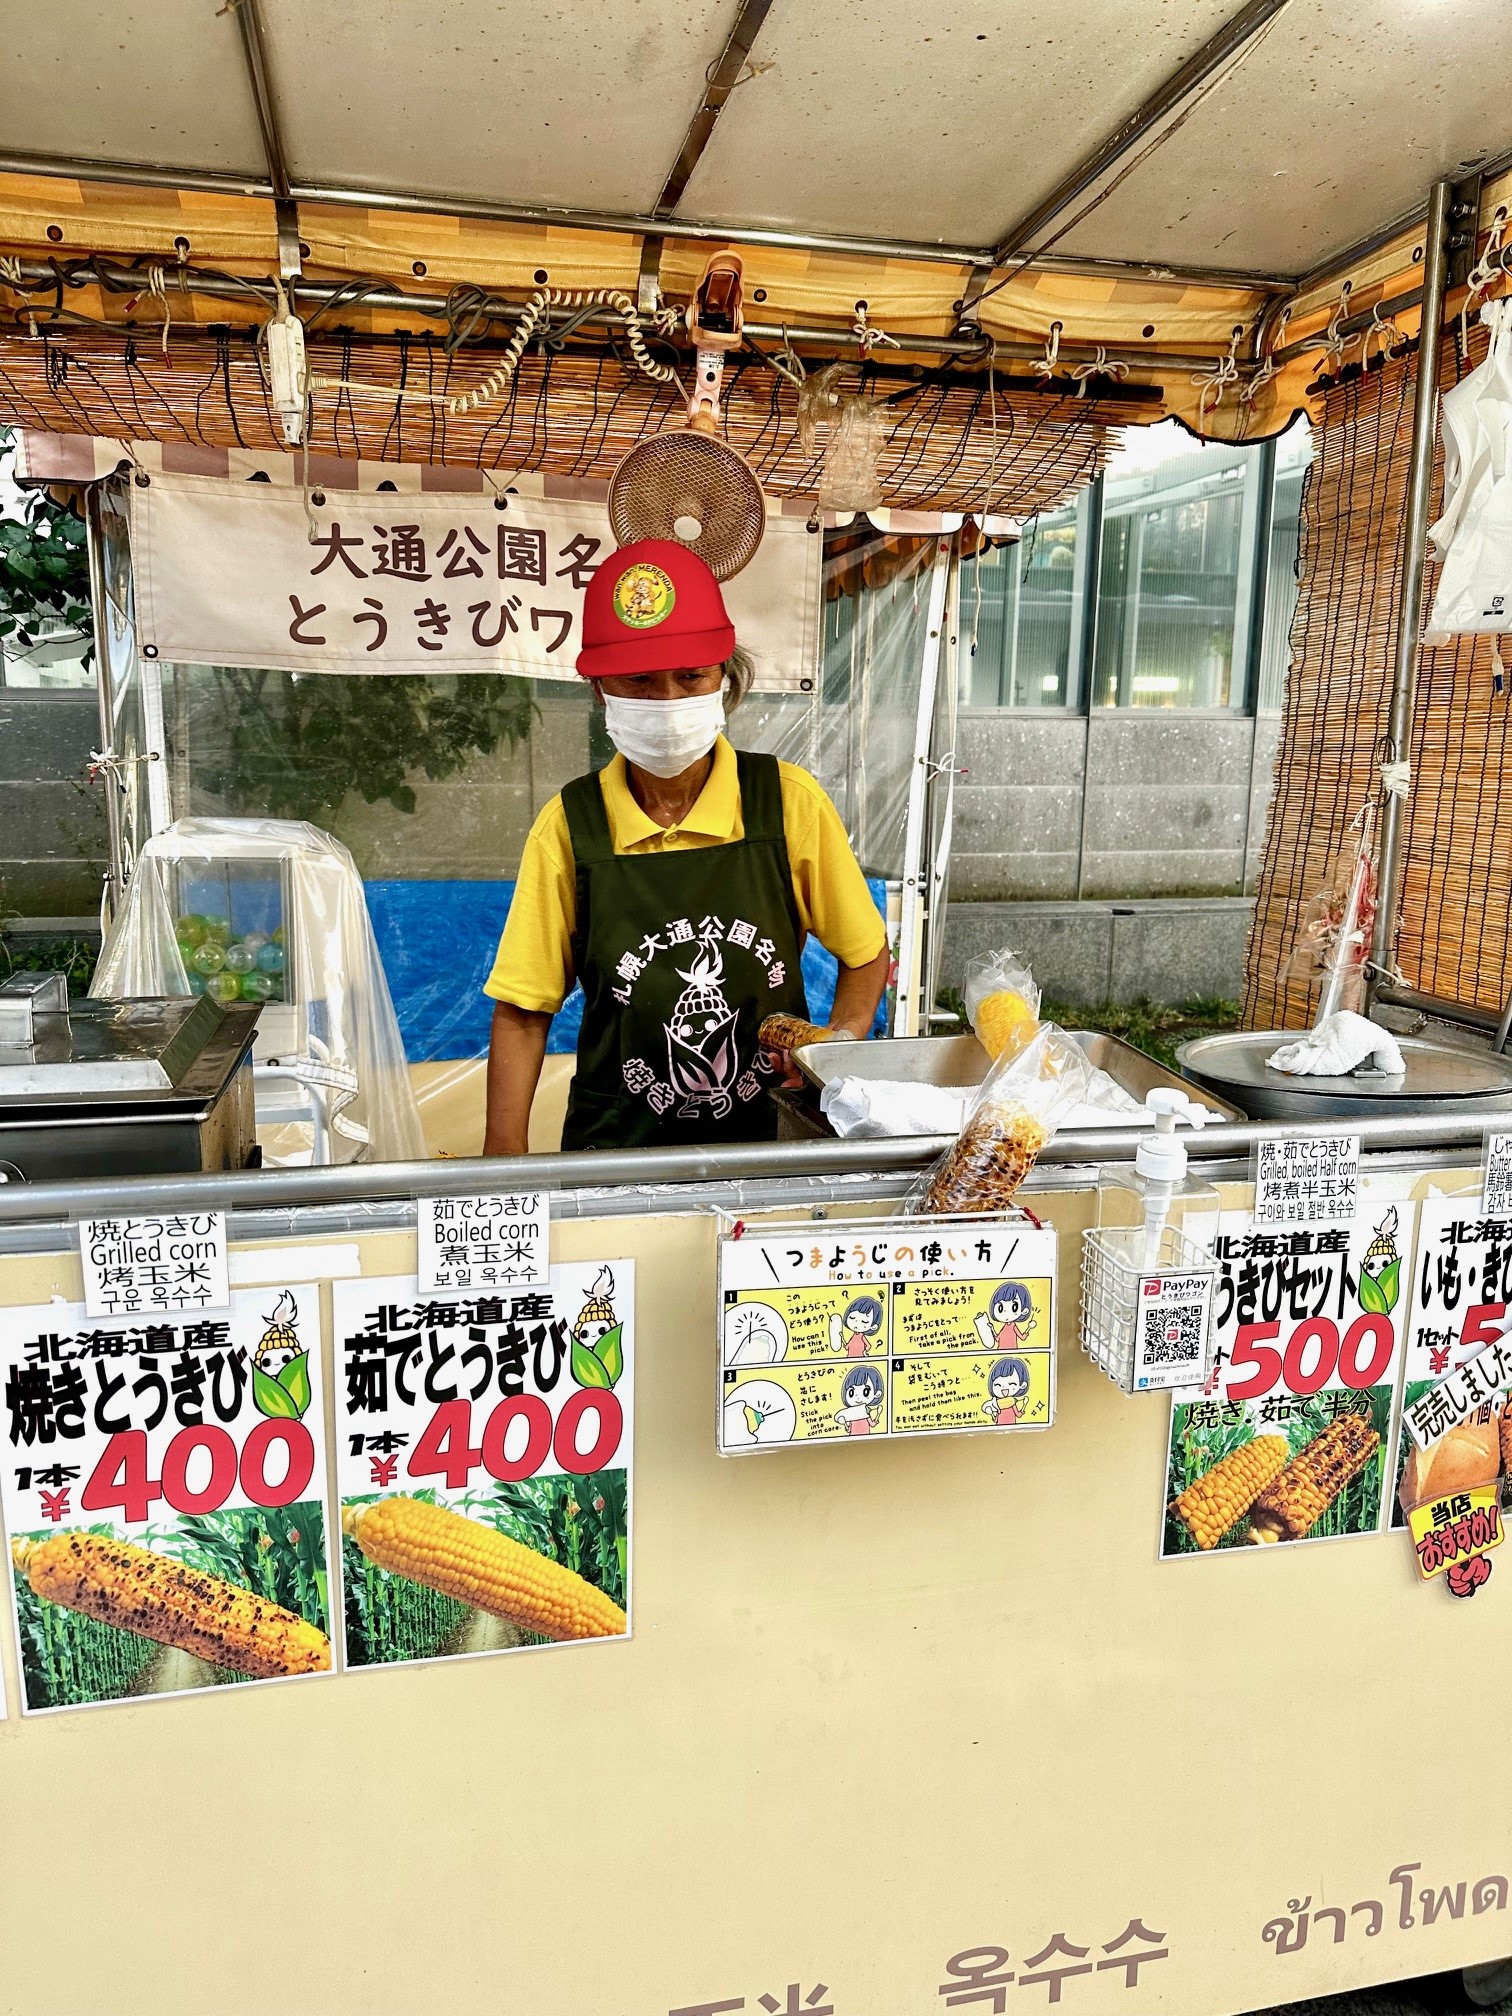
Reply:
x=1289 y=1437
x=829 y=1333
x=164 y=1488
x=484 y=1463
x=1461 y=1290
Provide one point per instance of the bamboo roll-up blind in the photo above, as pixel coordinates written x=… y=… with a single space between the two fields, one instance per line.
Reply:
x=568 y=414
x=1456 y=937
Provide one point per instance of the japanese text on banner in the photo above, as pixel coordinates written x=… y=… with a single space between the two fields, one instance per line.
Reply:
x=152 y=1265
x=501 y=1240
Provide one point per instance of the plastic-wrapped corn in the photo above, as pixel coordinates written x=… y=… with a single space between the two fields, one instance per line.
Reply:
x=993 y=1154
x=1005 y=1023
x=1296 y=1500
x=1218 y=1499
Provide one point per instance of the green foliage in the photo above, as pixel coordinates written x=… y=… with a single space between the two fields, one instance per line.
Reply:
x=388 y=1617
x=293 y=747
x=286 y=1396
x=44 y=569
x=77 y=957
x=68 y=1658
x=601 y=1366
x=1150 y=1026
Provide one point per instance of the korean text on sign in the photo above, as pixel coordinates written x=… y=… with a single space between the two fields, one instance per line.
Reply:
x=152 y=1265
x=498 y=1241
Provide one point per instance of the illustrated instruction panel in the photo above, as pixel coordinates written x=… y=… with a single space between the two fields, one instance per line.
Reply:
x=902 y=1327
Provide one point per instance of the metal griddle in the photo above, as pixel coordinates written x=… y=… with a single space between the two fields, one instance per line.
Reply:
x=1233 y=1067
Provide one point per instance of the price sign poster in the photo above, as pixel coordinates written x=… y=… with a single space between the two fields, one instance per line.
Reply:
x=1288 y=1439
x=484 y=1453
x=164 y=1486
x=909 y=1328
x=1461 y=1291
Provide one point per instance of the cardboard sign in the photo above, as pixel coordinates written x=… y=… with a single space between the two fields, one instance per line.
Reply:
x=485 y=1455
x=833 y=1333
x=149 y=1266
x=164 y=1487
x=501 y=1241
x=1307 y=1179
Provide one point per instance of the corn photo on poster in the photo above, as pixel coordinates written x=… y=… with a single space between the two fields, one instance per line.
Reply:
x=164 y=1489
x=484 y=1464
x=1290 y=1437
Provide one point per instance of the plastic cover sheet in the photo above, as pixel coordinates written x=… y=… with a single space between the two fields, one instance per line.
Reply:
x=272 y=910
x=855 y=731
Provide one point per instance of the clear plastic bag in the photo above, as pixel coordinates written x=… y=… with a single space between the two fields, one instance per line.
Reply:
x=1002 y=1002
x=1334 y=942
x=272 y=911
x=853 y=430
x=1022 y=1101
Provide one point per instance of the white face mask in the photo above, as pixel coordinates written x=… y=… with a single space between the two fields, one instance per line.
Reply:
x=665 y=736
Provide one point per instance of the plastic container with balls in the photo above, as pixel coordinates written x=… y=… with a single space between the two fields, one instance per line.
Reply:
x=229 y=924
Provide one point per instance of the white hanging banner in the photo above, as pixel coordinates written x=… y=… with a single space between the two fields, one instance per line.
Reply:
x=232 y=572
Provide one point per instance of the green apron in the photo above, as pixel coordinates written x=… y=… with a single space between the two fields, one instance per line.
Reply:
x=682 y=956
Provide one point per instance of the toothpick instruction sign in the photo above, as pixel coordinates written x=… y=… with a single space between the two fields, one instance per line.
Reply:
x=485 y=1447
x=903 y=1327
x=152 y=1265
x=1307 y=1179
x=500 y=1241
x=164 y=1489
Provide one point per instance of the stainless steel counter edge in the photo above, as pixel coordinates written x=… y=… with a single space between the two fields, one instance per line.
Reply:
x=1463 y=1126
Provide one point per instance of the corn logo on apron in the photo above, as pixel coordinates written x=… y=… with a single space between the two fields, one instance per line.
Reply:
x=682 y=956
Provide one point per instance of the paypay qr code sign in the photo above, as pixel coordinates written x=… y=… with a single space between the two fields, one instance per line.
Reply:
x=1175 y=1314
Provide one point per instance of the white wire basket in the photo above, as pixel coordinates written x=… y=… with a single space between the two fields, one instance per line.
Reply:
x=1113 y=1265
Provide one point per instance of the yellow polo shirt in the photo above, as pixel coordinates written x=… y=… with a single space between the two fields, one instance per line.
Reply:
x=533 y=968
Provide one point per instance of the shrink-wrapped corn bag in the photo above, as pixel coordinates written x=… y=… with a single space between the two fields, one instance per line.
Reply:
x=1026 y=1095
x=1002 y=1003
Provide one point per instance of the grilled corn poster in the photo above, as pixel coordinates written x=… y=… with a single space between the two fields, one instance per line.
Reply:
x=1461 y=1292
x=484 y=1458
x=164 y=1487
x=1289 y=1438
x=918 y=1327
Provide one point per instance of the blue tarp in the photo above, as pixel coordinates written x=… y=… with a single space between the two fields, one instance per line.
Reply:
x=438 y=939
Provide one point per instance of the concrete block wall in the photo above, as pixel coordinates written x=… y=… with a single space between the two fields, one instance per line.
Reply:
x=1121 y=804
x=1163 y=949
x=52 y=820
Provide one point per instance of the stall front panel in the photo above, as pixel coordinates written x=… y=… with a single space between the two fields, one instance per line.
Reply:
x=888 y=1713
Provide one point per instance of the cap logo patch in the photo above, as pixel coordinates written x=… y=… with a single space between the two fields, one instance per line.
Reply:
x=643 y=596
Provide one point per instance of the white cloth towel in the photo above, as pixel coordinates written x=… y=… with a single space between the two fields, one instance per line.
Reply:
x=873 y=1109
x=1340 y=1044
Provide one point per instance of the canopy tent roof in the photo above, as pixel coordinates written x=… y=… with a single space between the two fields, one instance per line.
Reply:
x=1179 y=172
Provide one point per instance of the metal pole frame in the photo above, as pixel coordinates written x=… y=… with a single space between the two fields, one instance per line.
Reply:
x=115 y=871
x=907 y=1019
x=1397 y=741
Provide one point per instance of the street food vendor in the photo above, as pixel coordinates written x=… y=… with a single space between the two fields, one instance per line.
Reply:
x=678 y=884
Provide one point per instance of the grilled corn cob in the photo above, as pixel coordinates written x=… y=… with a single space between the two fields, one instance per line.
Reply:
x=790 y=1032
x=474 y=1564
x=1293 y=1503
x=1219 y=1499
x=164 y=1600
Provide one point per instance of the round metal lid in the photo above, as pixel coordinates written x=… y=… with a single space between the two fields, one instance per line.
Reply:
x=1433 y=1070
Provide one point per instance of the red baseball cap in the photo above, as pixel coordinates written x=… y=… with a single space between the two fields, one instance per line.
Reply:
x=653 y=606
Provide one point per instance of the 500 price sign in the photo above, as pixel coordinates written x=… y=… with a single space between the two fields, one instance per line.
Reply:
x=484 y=1462
x=1288 y=1440
x=164 y=1490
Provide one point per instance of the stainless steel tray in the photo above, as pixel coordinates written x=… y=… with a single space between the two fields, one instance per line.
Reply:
x=961 y=1060
x=1234 y=1065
